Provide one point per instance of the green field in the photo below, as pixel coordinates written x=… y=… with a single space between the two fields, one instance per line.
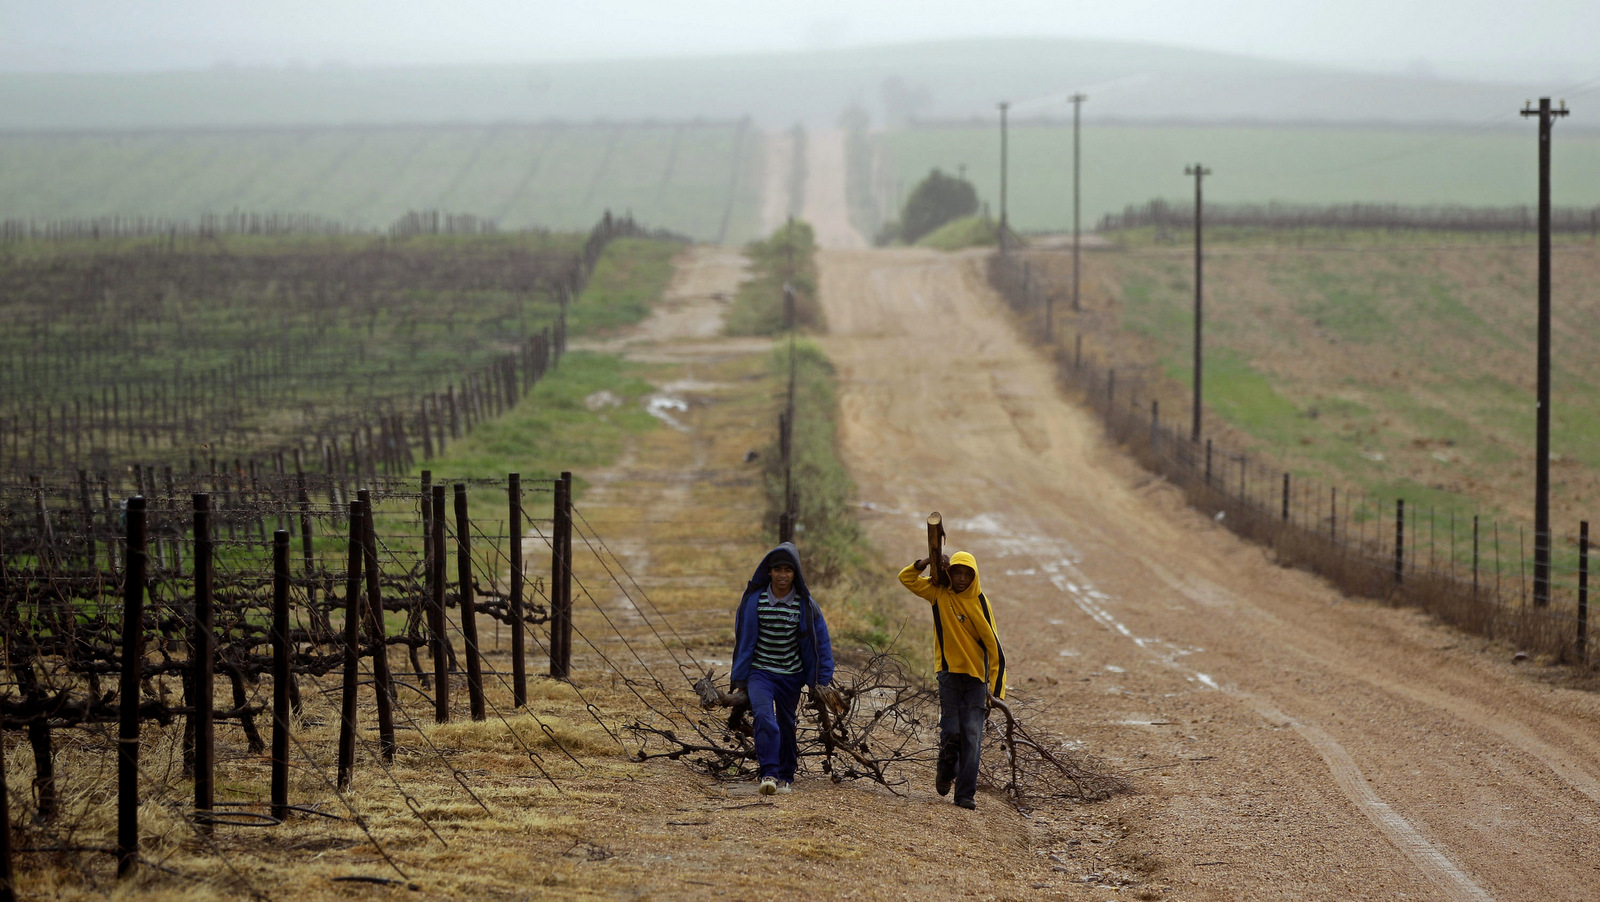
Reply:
x=1402 y=368
x=698 y=179
x=1124 y=165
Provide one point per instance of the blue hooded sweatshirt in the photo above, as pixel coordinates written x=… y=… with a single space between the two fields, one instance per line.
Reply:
x=816 y=652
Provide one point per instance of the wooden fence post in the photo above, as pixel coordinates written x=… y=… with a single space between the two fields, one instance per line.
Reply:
x=560 y=580
x=519 y=664
x=437 y=622
x=306 y=549
x=128 y=720
x=380 y=654
x=203 y=647
x=1399 y=539
x=352 y=648
x=7 y=892
x=469 y=608
x=427 y=567
x=280 y=674
x=1583 y=590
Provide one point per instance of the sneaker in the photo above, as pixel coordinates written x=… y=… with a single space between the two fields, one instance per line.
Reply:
x=968 y=804
x=944 y=772
x=784 y=786
x=768 y=786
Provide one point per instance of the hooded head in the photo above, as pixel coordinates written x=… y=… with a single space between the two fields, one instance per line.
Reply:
x=965 y=559
x=784 y=553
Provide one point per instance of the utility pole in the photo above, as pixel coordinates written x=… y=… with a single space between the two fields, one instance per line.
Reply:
x=1199 y=172
x=1004 y=105
x=1077 y=107
x=1541 y=489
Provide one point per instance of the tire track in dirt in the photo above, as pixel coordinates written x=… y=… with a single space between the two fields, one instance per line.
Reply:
x=1402 y=764
x=1346 y=773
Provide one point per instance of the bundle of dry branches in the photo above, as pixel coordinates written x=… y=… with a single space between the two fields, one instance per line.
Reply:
x=874 y=722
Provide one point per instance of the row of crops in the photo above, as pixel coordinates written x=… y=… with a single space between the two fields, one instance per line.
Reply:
x=701 y=178
x=354 y=353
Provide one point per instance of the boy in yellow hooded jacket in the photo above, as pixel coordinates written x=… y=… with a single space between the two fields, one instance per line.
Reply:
x=971 y=668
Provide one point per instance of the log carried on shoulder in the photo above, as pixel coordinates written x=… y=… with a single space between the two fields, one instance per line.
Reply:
x=936 y=550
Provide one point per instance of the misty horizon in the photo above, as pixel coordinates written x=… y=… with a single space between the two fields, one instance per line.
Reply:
x=1483 y=41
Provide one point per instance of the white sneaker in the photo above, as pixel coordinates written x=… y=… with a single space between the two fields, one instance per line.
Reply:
x=785 y=786
x=769 y=786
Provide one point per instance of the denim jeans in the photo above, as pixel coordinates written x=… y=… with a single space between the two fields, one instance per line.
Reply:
x=774 y=697
x=963 y=707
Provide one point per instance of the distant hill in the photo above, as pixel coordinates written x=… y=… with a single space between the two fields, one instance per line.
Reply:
x=944 y=80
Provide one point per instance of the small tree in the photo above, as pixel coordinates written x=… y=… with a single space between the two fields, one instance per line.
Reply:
x=935 y=201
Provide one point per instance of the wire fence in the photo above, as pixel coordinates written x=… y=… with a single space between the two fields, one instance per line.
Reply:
x=1471 y=571
x=1168 y=216
x=135 y=613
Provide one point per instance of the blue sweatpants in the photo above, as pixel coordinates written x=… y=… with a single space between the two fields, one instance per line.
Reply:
x=774 y=698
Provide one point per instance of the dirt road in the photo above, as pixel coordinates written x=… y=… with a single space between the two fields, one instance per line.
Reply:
x=1286 y=742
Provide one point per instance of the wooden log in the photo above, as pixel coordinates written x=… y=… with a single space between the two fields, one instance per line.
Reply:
x=935 y=557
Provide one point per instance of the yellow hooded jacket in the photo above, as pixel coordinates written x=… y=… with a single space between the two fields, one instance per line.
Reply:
x=963 y=626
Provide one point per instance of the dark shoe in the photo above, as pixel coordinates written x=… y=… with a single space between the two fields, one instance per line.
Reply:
x=968 y=804
x=944 y=773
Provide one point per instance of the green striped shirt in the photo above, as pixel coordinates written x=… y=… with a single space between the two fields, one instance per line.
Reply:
x=778 y=641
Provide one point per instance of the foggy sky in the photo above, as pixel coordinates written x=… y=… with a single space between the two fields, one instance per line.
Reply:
x=1525 y=41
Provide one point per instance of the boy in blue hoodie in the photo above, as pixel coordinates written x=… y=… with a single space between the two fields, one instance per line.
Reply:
x=780 y=643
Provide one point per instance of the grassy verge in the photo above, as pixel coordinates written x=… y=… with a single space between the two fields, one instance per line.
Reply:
x=969 y=231
x=629 y=278
x=784 y=257
x=858 y=591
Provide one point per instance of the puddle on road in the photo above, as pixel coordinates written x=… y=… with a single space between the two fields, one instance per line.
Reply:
x=662 y=407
